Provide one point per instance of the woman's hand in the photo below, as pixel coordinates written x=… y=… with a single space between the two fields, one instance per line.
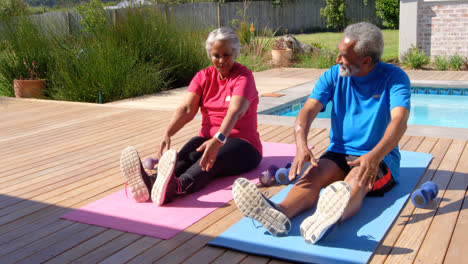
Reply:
x=210 y=148
x=368 y=169
x=164 y=145
x=303 y=155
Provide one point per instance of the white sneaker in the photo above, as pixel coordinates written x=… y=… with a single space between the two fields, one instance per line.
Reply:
x=130 y=166
x=165 y=174
x=253 y=204
x=330 y=207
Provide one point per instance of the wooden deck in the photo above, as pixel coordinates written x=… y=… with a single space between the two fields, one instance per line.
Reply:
x=58 y=156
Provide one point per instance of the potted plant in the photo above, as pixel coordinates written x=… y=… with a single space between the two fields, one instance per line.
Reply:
x=281 y=52
x=31 y=87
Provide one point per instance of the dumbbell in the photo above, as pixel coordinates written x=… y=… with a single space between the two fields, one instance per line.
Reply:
x=281 y=175
x=150 y=163
x=268 y=177
x=421 y=197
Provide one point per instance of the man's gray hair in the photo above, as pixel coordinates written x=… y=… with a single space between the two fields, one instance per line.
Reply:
x=223 y=33
x=369 y=40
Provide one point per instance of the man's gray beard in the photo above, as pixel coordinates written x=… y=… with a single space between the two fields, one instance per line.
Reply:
x=348 y=71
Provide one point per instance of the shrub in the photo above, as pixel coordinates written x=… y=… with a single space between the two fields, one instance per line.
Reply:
x=415 y=58
x=9 y=8
x=441 y=63
x=335 y=14
x=104 y=65
x=319 y=60
x=243 y=32
x=456 y=62
x=256 y=54
x=142 y=54
x=24 y=39
x=389 y=12
x=94 y=16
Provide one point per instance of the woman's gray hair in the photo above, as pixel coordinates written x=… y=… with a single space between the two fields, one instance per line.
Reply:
x=369 y=40
x=223 y=33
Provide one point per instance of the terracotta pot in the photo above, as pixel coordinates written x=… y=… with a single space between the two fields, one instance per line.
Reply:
x=281 y=58
x=29 y=88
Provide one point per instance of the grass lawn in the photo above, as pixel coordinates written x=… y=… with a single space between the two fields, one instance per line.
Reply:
x=330 y=41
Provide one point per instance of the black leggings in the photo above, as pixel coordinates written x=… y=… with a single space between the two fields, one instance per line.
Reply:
x=235 y=157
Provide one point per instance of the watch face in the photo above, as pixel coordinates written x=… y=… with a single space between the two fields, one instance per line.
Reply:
x=221 y=137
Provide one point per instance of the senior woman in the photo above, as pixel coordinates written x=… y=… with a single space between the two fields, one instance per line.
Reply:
x=228 y=142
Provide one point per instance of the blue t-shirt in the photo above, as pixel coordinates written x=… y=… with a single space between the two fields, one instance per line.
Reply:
x=361 y=108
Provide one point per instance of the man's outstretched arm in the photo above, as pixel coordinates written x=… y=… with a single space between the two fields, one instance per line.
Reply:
x=301 y=128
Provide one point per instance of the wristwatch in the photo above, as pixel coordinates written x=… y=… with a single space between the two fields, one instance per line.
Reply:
x=219 y=136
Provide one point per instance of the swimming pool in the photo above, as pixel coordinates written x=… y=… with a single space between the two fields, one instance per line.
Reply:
x=429 y=106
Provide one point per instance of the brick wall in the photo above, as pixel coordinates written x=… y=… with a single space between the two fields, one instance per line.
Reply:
x=443 y=27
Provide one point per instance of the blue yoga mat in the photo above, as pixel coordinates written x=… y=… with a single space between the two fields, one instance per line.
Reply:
x=353 y=241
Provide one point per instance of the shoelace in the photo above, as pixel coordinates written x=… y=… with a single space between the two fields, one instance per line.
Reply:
x=179 y=186
x=180 y=189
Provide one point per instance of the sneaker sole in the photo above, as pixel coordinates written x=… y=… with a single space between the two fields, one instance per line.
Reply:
x=130 y=167
x=251 y=203
x=165 y=169
x=330 y=208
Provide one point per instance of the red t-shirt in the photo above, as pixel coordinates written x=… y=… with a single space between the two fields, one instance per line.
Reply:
x=215 y=97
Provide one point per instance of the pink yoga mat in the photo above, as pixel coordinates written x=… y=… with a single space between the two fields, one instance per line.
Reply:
x=122 y=213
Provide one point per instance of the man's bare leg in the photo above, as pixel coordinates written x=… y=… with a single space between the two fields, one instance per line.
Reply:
x=358 y=193
x=304 y=194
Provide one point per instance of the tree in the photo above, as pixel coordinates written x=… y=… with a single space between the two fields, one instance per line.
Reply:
x=389 y=12
x=10 y=8
x=94 y=16
x=335 y=13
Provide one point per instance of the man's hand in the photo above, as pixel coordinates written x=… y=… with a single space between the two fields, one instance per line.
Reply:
x=210 y=148
x=303 y=155
x=368 y=168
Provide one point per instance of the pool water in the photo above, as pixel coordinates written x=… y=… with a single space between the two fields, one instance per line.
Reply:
x=426 y=109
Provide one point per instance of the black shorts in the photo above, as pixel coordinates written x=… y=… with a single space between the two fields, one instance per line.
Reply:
x=384 y=181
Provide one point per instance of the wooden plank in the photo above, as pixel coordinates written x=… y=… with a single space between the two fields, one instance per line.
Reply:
x=40 y=232
x=166 y=246
x=70 y=137
x=404 y=139
x=457 y=246
x=67 y=196
x=205 y=255
x=61 y=208
x=80 y=166
x=36 y=206
x=63 y=245
x=132 y=250
x=253 y=259
x=25 y=251
x=230 y=257
x=416 y=229
x=68 y=146
x=438 y=237
x=437 y=149
x=279 y=132
x=109 y=248
x=86 y=247
x=413 y=143
x=11 y=245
